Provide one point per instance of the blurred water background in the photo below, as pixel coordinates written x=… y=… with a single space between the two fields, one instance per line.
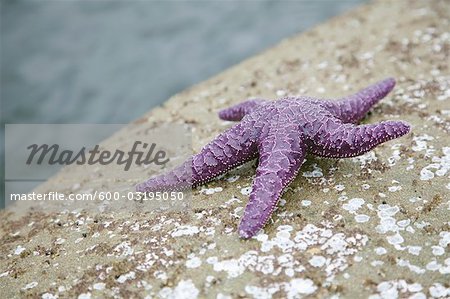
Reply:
x=111 y=61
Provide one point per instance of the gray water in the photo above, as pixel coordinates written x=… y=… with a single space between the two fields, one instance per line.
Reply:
x=111 y=61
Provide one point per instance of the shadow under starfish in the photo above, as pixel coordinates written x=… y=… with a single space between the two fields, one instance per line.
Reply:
x=281 y=133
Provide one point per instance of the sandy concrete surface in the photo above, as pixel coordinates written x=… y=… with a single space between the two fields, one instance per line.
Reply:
x=376 y=225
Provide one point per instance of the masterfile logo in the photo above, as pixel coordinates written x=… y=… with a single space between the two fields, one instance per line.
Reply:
x=68 y=165
x=54 y=155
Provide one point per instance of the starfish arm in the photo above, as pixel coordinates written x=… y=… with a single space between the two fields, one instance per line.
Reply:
x=339 y=140
x=281 y=156
x=237 y=112
x=233 y=147
x=353 y=108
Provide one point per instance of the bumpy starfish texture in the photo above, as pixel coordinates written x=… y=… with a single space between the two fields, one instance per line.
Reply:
x=281 y=133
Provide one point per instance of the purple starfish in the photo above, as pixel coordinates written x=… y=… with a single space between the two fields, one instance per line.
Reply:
x=281 y=133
